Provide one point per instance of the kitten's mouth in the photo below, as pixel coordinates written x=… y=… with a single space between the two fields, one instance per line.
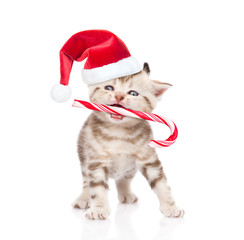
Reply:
x=116 y=116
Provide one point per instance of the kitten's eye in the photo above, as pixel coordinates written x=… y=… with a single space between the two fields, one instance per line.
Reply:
x=133 y=93
x=109 y=88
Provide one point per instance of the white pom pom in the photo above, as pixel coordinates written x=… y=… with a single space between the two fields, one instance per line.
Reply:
x=60 y=93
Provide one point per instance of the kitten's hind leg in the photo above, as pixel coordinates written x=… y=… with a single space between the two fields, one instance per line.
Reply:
x=83 y=201
x=124 y=191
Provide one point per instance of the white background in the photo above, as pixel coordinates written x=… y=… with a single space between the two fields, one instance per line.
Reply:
x=195 y=45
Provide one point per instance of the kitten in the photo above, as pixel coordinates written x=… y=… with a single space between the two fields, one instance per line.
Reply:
x=115 y=146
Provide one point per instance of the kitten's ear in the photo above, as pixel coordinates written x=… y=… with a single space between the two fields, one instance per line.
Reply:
x=159 y=87
x=146 y=68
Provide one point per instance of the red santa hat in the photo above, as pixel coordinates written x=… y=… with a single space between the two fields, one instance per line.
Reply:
x=107 y=57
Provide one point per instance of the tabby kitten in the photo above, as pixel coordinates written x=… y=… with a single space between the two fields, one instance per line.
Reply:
x=115 y=146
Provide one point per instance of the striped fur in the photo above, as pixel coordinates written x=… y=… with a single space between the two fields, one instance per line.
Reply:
x=117 y=148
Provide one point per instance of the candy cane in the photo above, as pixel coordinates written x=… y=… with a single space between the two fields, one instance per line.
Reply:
x=134 y=114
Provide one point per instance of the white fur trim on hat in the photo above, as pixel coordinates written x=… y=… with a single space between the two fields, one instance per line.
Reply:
x=124 y=67
x=60 y=92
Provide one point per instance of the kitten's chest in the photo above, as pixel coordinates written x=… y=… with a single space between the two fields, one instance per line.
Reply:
x=119 y=147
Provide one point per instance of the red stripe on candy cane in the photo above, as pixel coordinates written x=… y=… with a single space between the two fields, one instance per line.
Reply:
x=135 y=114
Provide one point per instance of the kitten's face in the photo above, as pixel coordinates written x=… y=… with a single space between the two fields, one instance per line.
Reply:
x=136 y=92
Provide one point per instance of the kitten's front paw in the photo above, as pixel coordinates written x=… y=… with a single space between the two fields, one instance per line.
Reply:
x=172 y=211
x=82 y=203
x=97 y=213
x=128 y=198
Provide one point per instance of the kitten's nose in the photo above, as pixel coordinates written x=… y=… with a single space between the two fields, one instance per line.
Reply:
x=119 y=97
